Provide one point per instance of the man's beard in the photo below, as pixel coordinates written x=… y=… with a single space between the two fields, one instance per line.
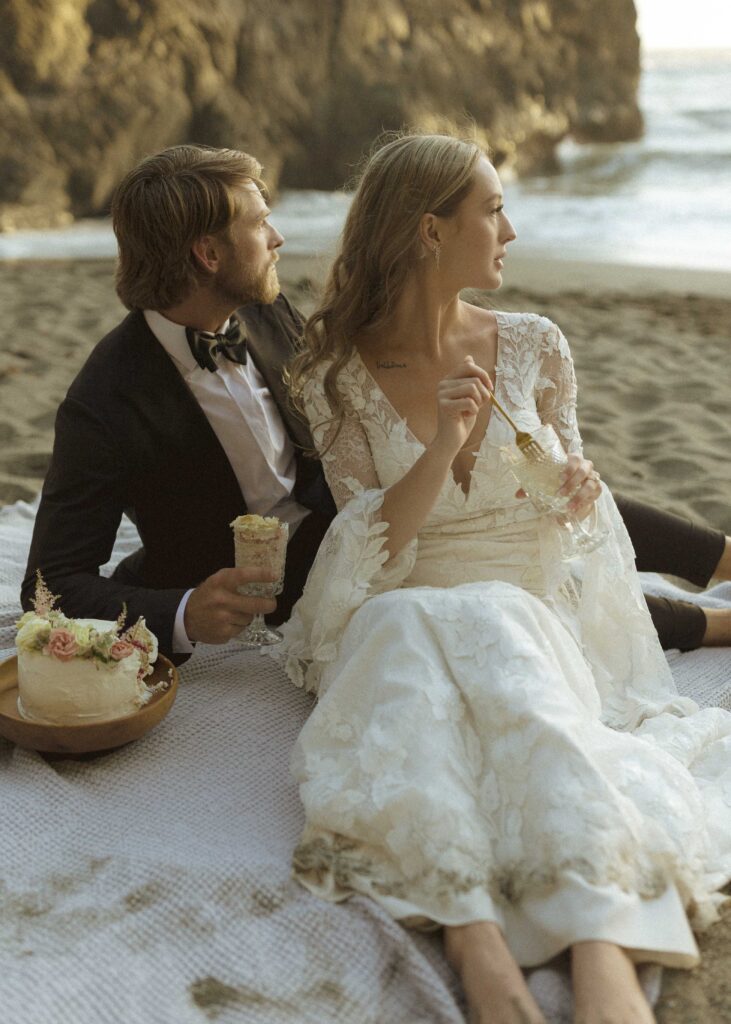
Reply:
x=240 y=291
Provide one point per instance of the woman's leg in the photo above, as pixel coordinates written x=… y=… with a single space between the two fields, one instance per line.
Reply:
x=606 y=989
x=493 y=983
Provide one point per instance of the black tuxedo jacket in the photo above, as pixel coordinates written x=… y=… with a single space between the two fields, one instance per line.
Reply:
x=131 y=438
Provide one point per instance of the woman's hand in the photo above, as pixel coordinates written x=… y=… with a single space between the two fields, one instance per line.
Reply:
x=408 y=502
x=460 y=397
x=580 y=480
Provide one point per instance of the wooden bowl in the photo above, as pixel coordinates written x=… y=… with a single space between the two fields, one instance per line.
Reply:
x=86 y=737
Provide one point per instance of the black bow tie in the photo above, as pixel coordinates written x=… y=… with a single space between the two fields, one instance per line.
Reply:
x=205 y=345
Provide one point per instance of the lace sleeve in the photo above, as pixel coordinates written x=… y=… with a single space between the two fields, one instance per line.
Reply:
x=556 y=388
x=610 y=607
x=352 y=563
x=347 y=463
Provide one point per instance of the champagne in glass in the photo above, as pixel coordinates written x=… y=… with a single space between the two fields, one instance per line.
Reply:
x=260 y=542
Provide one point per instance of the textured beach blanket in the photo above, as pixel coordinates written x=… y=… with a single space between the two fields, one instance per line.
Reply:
x=152 y=885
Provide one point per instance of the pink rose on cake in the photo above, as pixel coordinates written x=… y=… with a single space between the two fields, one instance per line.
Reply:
x=121 y=649
x=46 y=630
x=61 y=644
x=81 y=670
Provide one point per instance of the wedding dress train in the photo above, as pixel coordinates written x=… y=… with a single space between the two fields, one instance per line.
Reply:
x=497 y=735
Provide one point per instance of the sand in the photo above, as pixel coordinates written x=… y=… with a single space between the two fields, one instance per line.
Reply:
x=652 y=355
x=653 y=369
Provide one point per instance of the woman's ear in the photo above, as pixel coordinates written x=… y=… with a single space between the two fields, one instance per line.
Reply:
x=429 y=233
x=205 y=254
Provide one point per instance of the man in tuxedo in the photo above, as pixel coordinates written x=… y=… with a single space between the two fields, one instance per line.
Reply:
x=180 y=418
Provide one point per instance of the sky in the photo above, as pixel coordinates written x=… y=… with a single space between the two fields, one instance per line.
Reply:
x=666 y=24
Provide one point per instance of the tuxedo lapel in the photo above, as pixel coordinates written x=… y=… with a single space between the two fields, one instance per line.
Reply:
x=168 y=402
x=271 y=334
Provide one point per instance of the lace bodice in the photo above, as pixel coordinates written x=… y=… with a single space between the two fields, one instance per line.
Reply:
x=534 y=380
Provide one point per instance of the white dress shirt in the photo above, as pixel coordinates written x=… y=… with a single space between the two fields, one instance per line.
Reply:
x=244 y=417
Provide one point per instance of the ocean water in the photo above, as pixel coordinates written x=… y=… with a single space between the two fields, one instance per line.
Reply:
x=664 y=200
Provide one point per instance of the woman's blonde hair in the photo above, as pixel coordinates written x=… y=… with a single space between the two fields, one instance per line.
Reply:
x=162 y=206
x=406 y=176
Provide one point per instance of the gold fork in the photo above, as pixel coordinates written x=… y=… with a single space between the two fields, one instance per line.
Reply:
x=525 y=441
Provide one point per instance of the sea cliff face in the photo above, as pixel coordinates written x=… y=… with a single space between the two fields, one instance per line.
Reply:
x=87 y=87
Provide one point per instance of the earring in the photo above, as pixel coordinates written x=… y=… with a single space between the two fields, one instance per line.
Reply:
x=437 y=250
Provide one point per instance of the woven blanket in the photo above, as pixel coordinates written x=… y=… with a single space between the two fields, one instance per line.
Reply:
x=152 y=885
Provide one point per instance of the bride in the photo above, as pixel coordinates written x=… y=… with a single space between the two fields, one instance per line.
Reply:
x=497 y=747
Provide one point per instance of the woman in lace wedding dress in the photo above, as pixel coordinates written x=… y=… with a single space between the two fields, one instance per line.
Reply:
x=497 y=746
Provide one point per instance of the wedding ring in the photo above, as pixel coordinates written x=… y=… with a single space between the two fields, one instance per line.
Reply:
x=594 y=476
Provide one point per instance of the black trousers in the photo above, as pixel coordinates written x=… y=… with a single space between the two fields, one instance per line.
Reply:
x=668 y=543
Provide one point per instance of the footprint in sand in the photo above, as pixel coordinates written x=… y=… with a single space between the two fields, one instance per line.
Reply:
x=7 y=432
x=676 y=468
x=638 y=401
x=592 y=435
x=715 y=512
x=652 y=428
x=692 y=393
x=28 y=464
x=16 y=490
x=46 y=421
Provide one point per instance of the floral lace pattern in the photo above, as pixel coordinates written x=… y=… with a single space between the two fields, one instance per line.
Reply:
x=459 y=747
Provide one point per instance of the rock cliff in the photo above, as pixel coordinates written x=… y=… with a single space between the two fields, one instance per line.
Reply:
x=87 y=87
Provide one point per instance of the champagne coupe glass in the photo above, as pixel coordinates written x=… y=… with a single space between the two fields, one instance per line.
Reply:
x=540 y=478
x=262 y=547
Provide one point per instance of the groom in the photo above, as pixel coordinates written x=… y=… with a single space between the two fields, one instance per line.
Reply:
x=180 y=419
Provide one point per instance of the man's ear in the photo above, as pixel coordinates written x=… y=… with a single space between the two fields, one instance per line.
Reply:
x=205 y=253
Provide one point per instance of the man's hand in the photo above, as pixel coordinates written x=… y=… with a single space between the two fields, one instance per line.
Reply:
x=215 y=611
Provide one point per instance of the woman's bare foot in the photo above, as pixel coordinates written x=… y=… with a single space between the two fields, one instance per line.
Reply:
x=493 y=983
x=606 y=989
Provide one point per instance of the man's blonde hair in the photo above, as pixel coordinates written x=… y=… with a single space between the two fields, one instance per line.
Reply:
x=162 y=207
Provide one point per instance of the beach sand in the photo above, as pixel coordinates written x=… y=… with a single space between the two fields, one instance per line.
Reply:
x=652 y=356
x=653 y=368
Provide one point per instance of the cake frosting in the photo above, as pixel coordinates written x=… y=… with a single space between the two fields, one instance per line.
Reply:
x=253 y=527
x=80 y=670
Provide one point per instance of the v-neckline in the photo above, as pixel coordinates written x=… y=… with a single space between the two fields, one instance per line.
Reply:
x=402 y=419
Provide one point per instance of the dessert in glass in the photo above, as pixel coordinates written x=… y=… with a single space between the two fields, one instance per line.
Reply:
x=540 y=478
x=260 y=542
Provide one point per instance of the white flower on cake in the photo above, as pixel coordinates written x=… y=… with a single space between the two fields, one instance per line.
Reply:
x=80 y=670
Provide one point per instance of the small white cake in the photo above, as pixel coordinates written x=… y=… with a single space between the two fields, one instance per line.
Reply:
x=72 y=671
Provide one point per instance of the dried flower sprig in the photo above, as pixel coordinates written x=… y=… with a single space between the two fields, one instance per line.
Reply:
x=43 y=600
